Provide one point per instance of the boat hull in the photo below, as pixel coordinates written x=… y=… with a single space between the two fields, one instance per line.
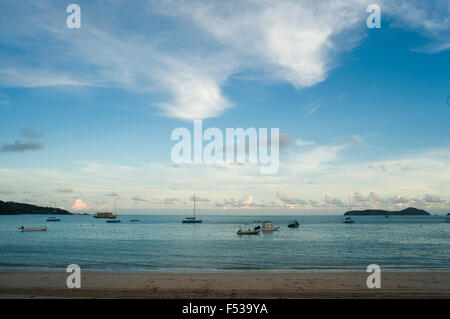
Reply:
x=189 y=221
x=34 y=229
x=252 y=232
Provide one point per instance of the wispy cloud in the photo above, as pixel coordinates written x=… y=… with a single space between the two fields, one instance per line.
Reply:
x=29 y=132
x=298 y=42
x=66 y=190
x=138 y=199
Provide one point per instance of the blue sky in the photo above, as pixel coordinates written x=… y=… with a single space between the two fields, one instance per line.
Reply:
x=363 y=112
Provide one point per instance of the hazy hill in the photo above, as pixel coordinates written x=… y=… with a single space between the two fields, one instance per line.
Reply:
x=13 y=208
x=375 y=212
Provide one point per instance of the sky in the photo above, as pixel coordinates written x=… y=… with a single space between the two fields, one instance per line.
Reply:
x=86 y=114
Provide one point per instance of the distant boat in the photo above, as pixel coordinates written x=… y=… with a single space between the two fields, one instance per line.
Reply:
x=348 y=220
x=254 y=231
x=268 y=226
x=33 y=229
x=192 y=220
x=293 y=224
x=134 y=220
x=447 y=220
x=53 y=219
x=111 y=216
x=105 y=215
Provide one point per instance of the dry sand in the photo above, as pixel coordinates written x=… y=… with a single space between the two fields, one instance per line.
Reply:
x=249 y=285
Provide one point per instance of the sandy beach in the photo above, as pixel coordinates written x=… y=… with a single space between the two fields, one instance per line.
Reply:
x=214 y=285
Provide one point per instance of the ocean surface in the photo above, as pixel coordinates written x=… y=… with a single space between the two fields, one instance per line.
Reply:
x=164 y=244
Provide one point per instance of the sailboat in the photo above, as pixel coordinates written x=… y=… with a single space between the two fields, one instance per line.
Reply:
x=115 y=214
x=348 y=220
x=192 y=220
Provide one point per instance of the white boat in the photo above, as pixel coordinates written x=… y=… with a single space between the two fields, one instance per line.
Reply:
x=348 y=220
x=268 y=226
x=33 y=229
x=254 y=231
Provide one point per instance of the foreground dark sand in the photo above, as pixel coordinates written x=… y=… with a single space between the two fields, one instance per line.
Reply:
x=164 y=285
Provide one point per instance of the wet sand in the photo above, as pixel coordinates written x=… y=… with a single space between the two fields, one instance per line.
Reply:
x=218 y=285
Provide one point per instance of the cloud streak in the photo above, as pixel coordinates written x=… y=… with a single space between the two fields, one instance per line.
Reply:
x=21 y=146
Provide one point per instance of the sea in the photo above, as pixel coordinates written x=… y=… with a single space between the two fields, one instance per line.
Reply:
x=164 y=244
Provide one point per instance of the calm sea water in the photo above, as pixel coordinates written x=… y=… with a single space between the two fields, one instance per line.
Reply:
x=163 y=243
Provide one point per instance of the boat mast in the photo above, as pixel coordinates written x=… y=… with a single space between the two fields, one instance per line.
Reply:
x=115 y=206
x=194 y=205
x=349 y=211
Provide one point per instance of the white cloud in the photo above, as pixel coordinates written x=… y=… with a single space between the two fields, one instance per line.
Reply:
x=425 y=185
x=203 y=44
x=79 y=205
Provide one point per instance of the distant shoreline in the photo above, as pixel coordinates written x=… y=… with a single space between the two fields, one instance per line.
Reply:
x=13 y=208
x=410 y=211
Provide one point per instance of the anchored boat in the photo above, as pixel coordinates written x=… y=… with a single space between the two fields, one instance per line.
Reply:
x=268 y=226
x=254 y=231
x=192 y=220
x=105 y=215
x=33 y=229
x=293 y=224
x=53 y=219
x=348 y=220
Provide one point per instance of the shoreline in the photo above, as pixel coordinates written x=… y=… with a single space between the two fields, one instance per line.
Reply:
x=152 y=285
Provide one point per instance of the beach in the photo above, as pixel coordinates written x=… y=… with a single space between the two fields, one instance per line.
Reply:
x=149 y=285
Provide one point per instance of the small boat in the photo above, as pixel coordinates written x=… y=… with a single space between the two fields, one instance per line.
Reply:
x=254 y=231
x=387 y=216
x=268 y=226
x=33 y=229
x=134 y=220
x=293 y=224
x=348 y=220
x=113 y=221
x=53 y=219
x=447 y=220
x=192 y=220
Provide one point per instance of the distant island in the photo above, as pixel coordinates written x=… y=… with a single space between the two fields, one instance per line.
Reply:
x=13 y=208
x=410 y=211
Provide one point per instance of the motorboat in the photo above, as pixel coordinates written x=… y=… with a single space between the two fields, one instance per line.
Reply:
x=134 y=220
x=254 y=231
x=293 y=224
x=268 y=226
x=33 y=229
x=53 y=219
x=113 y=221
